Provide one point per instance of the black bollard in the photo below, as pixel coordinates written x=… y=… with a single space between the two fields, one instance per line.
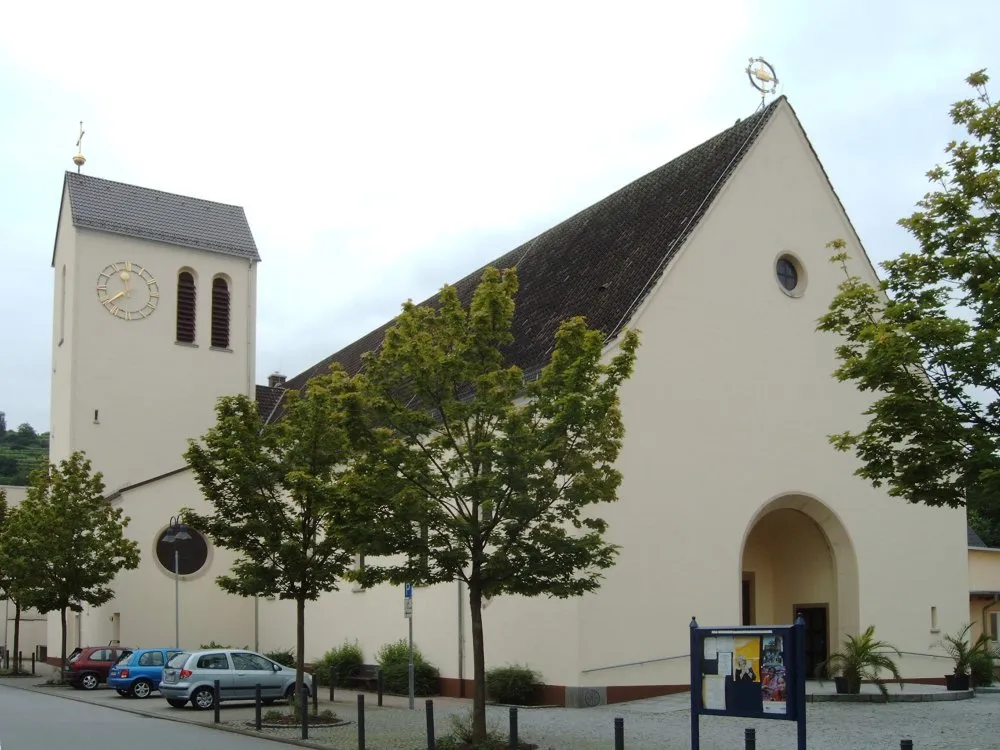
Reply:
x=304 y=706
x=619 y=734
x=331 y=677
x=431 y=744
x=380 y=685
x=20 y=662
x=32 y=665
x=750 y=738
x=361 y=721
x=906 y=745
x=513 y=728
x=315 y=696
x=215 y=700
x=256 y=706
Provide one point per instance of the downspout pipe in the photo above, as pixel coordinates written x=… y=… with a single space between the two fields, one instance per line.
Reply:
x=996 y=598
x=461 y=642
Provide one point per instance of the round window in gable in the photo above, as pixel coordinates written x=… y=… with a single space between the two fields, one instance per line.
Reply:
x=192 y=553
x=789 y=274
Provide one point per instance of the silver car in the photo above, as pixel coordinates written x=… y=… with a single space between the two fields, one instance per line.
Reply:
x=191 y=676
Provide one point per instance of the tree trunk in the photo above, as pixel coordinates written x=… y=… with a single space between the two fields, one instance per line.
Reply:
x=478 y=663
x=62 y=622
x=300 y=646
x=17 y=637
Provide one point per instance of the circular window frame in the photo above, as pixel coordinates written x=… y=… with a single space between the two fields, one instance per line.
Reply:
x=203 y=570
x=802 y=279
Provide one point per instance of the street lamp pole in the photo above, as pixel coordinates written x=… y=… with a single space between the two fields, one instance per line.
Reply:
x=176 y=532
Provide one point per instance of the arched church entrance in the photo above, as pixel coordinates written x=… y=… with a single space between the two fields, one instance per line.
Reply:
x=798 y=557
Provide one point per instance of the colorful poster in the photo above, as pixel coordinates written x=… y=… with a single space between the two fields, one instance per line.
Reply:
x=773 y=678
x=746 y=659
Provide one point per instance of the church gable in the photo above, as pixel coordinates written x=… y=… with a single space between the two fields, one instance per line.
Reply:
x=602 y=262
x=132 y=211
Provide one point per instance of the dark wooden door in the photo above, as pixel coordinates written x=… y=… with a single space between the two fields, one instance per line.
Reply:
x=815 y=637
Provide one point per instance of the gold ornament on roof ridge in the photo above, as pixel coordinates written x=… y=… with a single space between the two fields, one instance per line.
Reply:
x=80 y=159
x=762 y=76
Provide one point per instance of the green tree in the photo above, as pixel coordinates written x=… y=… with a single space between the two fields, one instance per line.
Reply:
x=277 y=497
x=487 y=479
x=16 y=570
x=926 y=342
x=74 y=536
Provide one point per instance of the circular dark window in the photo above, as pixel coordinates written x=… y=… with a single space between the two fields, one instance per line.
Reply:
x=192 y=553
x=788 y=274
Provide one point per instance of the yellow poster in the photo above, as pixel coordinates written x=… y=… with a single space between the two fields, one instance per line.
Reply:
x=746 y=659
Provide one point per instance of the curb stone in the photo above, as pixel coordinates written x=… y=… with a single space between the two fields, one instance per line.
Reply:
x=213 y=726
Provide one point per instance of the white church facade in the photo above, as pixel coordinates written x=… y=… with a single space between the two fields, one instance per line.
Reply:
x=734 y=507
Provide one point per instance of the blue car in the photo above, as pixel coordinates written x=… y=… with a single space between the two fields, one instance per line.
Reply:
x=137 y=673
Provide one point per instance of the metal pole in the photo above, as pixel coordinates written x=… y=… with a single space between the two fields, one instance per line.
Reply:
x=256 y=623
x=411 y=663
x=177 y=597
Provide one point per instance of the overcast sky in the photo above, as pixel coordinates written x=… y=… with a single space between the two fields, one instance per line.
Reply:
x=382 y=149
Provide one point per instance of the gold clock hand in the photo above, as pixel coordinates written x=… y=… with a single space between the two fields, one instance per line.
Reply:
x=120 y=294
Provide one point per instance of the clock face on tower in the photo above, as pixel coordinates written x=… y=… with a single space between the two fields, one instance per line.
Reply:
x=127 y=290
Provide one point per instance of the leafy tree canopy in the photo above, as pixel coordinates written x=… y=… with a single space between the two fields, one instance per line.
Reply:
x=927 y=341
x=487 y=479
x=79 y=535
x=276 y=494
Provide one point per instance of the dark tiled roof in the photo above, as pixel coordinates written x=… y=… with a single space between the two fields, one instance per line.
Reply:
x=116 y=207
x=602 y=262
x=267 y=399
x=974 y=539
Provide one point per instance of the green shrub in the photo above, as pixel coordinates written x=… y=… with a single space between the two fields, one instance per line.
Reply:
x=517 y=685
x=284 y=656
x=343 y=659
x=394 y=660
x=213 y=644
x=460 y=736
x=982 y=666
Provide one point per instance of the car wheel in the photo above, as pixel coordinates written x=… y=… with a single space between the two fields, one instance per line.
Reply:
x=203 y=698
x=142 y=688
x=123 y=693
x=89 y=681
x=291 y=690
x=176 y=702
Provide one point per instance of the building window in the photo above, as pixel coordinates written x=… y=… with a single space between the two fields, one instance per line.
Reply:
x=186 y=299
x=220 y=313
x=788 y=274
x=192 y=554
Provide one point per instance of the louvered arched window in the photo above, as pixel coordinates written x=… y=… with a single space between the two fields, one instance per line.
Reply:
x=220 y=313
x=186 y=302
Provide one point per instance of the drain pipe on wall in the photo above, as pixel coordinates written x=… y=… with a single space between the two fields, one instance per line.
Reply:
x=461 y=642
x=996 y=598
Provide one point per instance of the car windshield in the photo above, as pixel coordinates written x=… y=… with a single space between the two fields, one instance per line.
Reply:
x=126 y=655
x=177 y=660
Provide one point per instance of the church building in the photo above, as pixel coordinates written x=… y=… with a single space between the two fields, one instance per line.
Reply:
x=734 y=508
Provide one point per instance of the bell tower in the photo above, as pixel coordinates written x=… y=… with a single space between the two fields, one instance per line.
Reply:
x=154 y=319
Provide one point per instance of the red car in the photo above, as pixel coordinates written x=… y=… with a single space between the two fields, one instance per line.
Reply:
x=88 y=667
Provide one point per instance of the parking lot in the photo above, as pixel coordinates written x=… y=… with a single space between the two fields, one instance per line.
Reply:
x=656 y=723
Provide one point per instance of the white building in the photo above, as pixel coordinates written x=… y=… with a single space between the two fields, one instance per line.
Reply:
x=734 y=507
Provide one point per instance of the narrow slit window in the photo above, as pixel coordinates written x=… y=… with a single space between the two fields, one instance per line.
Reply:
x=186 y=301
x=220 y=314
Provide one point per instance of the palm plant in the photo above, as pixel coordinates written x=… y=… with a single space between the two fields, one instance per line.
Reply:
x=862 y=658
x=968 y=658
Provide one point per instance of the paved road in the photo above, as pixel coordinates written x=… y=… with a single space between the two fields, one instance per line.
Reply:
x=33 y=721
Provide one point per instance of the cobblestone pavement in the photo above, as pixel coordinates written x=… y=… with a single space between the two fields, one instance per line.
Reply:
x=653 y=724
